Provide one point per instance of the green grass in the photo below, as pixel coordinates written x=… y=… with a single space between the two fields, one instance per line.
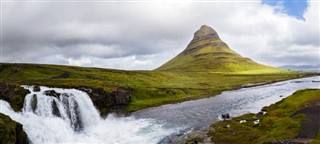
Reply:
x=277 y=124
x=149 y=88
x=317 y=139
x=214 y=56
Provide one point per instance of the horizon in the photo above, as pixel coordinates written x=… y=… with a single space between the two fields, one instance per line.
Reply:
x=143 y=36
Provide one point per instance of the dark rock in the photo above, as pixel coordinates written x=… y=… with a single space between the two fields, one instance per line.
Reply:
x=11 y=132
x=65 y=102
x=281 y=96
x=260 y=113
x=52 y=93
x=36 y=88
x=106 y=102
x=13 y=94
x=297 y=81
x=55 y=109
x=77 y=123
x=225 y=116
x=21 y=136
x=194 y=142
x=73 y=111
x=34 y=102
x=121 y=96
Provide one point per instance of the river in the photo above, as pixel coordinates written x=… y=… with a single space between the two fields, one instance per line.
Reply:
x=72 y=117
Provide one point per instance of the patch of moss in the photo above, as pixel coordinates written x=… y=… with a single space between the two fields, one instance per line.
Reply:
x=11 y=132
x=14 y=94
x=194 y=140
x=278 y=124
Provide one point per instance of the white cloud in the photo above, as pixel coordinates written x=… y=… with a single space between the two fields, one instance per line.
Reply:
x=145 y=35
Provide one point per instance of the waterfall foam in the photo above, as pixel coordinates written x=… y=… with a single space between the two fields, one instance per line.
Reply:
x=72 y=118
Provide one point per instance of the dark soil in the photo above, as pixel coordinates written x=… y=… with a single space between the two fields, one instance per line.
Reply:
x=311 y=126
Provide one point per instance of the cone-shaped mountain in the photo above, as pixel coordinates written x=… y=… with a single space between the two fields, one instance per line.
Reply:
x=208 y=53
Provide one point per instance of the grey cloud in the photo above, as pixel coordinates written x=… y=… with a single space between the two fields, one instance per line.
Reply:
x=98 y=33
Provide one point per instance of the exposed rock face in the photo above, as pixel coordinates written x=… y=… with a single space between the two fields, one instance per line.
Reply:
x=55 y=109
x=109 y=101
x=205 y=35
x=14 y=94
x=21 y=135
x=121 y=96
x=34 y=102
x=52 y=93
x=205 y=32
x=78 y=124
x=11 y=132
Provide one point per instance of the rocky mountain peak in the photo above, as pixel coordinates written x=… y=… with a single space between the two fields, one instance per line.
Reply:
x=208 y=53
x=206 y=32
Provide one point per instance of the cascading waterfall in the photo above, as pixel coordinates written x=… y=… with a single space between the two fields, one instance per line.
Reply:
x=73 y=106
x=71 y=117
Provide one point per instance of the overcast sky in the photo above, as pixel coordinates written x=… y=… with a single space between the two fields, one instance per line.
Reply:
x=144 y=35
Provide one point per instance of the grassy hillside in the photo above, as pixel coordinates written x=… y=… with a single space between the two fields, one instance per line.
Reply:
x=285 y=120
x=208 y=53
x=205 y=68
x=148 y=88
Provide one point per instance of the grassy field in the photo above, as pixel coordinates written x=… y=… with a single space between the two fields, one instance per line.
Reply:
x=278 y=124
x=148 y=88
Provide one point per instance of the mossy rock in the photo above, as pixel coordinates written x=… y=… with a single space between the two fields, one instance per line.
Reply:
x=14 y=94
x=11 y=132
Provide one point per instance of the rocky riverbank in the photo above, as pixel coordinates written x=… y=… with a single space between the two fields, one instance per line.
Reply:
x=11 y=131
x=294 y=119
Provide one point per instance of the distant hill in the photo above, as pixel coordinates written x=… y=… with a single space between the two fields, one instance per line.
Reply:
x=308 y=68
x=208 y=53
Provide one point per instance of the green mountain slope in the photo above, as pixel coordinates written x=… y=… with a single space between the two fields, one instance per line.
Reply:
x=208 y=53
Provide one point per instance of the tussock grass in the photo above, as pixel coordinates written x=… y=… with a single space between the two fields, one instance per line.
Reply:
x=277 y=125
x=149 y=88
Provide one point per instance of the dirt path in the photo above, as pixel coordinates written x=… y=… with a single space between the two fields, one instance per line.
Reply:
x=311 y=127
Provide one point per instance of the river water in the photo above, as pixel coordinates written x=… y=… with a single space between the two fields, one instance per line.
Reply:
x=72 y=117
x=199 y=114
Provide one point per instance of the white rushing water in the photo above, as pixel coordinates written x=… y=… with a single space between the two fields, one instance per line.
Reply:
x=72 y=118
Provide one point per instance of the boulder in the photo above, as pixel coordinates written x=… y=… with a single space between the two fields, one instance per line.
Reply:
x=52 y=93
x=225 y=116
x=36 y=88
